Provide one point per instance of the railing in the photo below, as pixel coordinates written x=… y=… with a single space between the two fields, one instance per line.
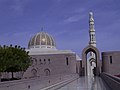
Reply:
x=113 y=82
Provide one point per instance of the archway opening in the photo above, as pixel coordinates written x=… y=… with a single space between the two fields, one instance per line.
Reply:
x=91 y=64
x=90 y=61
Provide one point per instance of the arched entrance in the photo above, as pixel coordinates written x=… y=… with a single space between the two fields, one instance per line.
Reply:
x=85 y=51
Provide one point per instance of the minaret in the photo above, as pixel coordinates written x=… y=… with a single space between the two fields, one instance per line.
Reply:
x=91 y=30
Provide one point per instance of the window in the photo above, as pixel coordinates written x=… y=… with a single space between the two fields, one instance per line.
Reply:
x=66 y=60
x=110 y=59
x=49 y=61
x=40 y=61
x=92 y=37
x=35 y=61
x=44 y=61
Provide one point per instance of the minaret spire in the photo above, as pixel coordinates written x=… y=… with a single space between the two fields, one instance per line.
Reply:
x=92 y=30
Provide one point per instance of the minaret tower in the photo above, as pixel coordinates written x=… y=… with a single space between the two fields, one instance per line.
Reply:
x=91 y=30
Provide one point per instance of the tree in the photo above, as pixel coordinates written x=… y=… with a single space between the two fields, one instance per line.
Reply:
x=13 y=59
x=2 y=60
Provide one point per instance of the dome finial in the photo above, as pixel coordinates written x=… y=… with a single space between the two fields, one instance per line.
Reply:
x=91 y=13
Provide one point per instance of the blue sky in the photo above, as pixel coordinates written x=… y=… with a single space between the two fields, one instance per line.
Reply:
x=65 y=20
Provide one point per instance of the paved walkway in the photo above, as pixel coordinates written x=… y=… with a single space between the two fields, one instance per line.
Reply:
x=85 y=83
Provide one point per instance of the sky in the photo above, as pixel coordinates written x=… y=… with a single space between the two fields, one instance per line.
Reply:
x=66 y=20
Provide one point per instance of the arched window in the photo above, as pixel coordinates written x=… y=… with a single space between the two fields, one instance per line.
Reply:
x=47 y=72
x=34 y=72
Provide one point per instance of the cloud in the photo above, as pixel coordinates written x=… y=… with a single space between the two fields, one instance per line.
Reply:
x=74 y=18
x=76 y=15
x=80 y=10
x=18 y=38
x=18 y=6
x=21 y=34
x=61 y=32
x=58 y=0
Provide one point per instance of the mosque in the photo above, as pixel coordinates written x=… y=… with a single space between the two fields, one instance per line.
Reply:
x=53 y=68
x=47 y=60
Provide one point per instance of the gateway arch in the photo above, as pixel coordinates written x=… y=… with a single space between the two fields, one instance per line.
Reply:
x=85 y=51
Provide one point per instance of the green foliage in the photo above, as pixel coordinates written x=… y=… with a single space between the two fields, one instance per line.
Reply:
x=13 y=59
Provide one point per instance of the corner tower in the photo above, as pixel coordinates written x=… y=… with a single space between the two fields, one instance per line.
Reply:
x=92 y=30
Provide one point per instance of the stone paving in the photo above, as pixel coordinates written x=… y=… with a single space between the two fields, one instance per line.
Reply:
x=58 y=82
x=85 y=83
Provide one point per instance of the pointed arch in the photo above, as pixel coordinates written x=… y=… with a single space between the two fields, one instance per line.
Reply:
x=34 y=72
x=47 y=72
x=85 y=51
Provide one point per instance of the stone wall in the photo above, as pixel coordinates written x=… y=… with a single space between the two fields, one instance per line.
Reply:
x=37 y=83
x=111 y=62
x=51 y=64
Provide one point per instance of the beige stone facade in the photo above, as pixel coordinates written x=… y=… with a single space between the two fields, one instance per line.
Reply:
x=46 y=59
x=51 y=64
x=111 y=62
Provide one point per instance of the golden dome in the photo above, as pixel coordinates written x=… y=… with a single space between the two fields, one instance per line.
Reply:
x=41 y=40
